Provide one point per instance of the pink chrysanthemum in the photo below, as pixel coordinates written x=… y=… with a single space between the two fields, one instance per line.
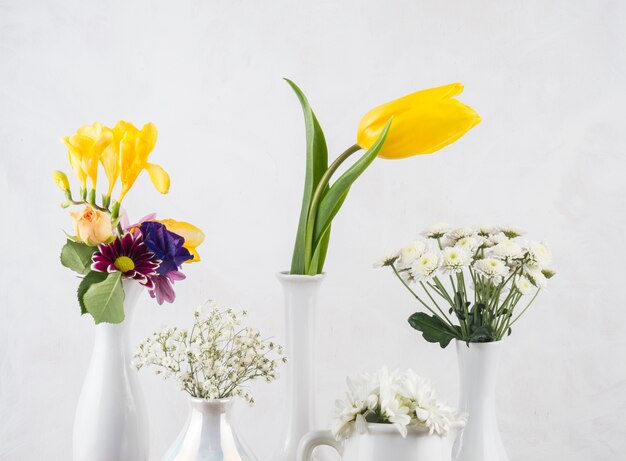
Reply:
x=128 y=255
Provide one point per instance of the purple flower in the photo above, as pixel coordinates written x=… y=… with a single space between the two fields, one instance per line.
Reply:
x=163 y=290
x=130 y=256
x=167 y=246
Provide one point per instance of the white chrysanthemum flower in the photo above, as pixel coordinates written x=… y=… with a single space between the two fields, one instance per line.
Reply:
x=512 y=231
x=507 y=249
x=411 y=252
x=455 y=259
x=539 y=254
x=402 y=399
x=388 y=260
x=492 y=268
x=437 y=230
x=485 y=230
x=535 y=274
x=425 y=266
x=523 y=285
x=496 y=239
x=469 y=243
x=459 y=233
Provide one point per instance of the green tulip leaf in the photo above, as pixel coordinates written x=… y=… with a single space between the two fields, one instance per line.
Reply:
x=316 y=165
x=77 y=256
x=105 y=300
x=337 y=193
x=89 y=279
x=434 y=329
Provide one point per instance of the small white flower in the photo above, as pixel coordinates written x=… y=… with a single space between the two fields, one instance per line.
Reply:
x=425 y=266
x=539 y=254
x=455 y=259
x=411 y=252
x=437 y=230
x=495 y=239
x=512 y=231
x=388 y=260
x=469 y=243
x=523 y=285
x=492 y=268
x=507 y=249
x=459 y=233
x=534 y=273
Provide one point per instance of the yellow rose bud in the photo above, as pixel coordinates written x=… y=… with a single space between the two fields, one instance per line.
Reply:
x=61 y=179
x=92 y=226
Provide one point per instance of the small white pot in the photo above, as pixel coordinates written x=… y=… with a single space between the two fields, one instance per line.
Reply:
x=384 y=442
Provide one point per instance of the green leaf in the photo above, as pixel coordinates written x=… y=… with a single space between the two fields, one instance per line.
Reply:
x=316 y=166
x=105 y=300
x=319 y=257
x=334 y=198
x=481 y=334
x=77 y=256
x=434 y=329
x=89 y=279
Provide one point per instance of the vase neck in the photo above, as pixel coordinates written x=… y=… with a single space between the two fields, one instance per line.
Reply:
x=478 y=370
x=300 y=295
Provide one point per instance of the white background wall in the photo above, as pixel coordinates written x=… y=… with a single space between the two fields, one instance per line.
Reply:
x=548 y=80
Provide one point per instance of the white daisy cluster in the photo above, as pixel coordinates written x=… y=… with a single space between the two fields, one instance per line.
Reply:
x=493 y=252
x=497 y=263
x=215 y=358
x=403 y=399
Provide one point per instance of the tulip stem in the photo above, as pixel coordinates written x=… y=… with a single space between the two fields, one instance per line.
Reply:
x=315 y=202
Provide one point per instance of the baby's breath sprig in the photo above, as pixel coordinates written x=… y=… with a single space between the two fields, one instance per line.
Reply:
x=216 y=358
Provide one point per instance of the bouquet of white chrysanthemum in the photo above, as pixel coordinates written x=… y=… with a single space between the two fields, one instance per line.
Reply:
x=476 y=276
x=215 y=358
x=403 y=399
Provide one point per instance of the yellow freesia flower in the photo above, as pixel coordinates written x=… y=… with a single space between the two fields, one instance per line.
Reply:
x=134 y=148
x=423 y=122
x=193 y=236
x=84 y=150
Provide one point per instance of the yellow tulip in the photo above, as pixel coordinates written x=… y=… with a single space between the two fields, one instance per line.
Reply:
x=84 y=150
x=60 y=179
x=193 y=236
x=134 y=148
x=423 y=122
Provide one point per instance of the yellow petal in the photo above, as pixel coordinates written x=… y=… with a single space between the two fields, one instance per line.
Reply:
x=193 y=235
x=159 y=177
x=423 y=122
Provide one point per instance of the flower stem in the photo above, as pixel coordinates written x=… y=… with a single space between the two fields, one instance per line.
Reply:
x=315 y=202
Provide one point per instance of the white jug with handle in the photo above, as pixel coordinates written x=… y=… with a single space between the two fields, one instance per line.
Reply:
x=383 y=442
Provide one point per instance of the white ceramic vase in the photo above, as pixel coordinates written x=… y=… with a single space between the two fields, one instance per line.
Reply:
x=384 y=442
x=208 y=435
x=110 y=422
x=478 y=369
x=300 y=306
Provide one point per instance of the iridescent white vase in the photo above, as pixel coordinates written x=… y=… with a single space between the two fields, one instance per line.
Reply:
x=110 y=422
x=208 y=435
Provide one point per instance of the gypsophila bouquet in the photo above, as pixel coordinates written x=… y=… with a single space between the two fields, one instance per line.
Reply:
x=470 y=280
x=104 y=248
x=403 y=399
x=215 y=359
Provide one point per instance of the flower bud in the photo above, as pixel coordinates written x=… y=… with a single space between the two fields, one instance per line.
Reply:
x=61 y=180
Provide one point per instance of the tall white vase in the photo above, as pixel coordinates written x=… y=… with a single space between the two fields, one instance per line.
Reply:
x=300 y=305
x=478 y=369
x=110 y=422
